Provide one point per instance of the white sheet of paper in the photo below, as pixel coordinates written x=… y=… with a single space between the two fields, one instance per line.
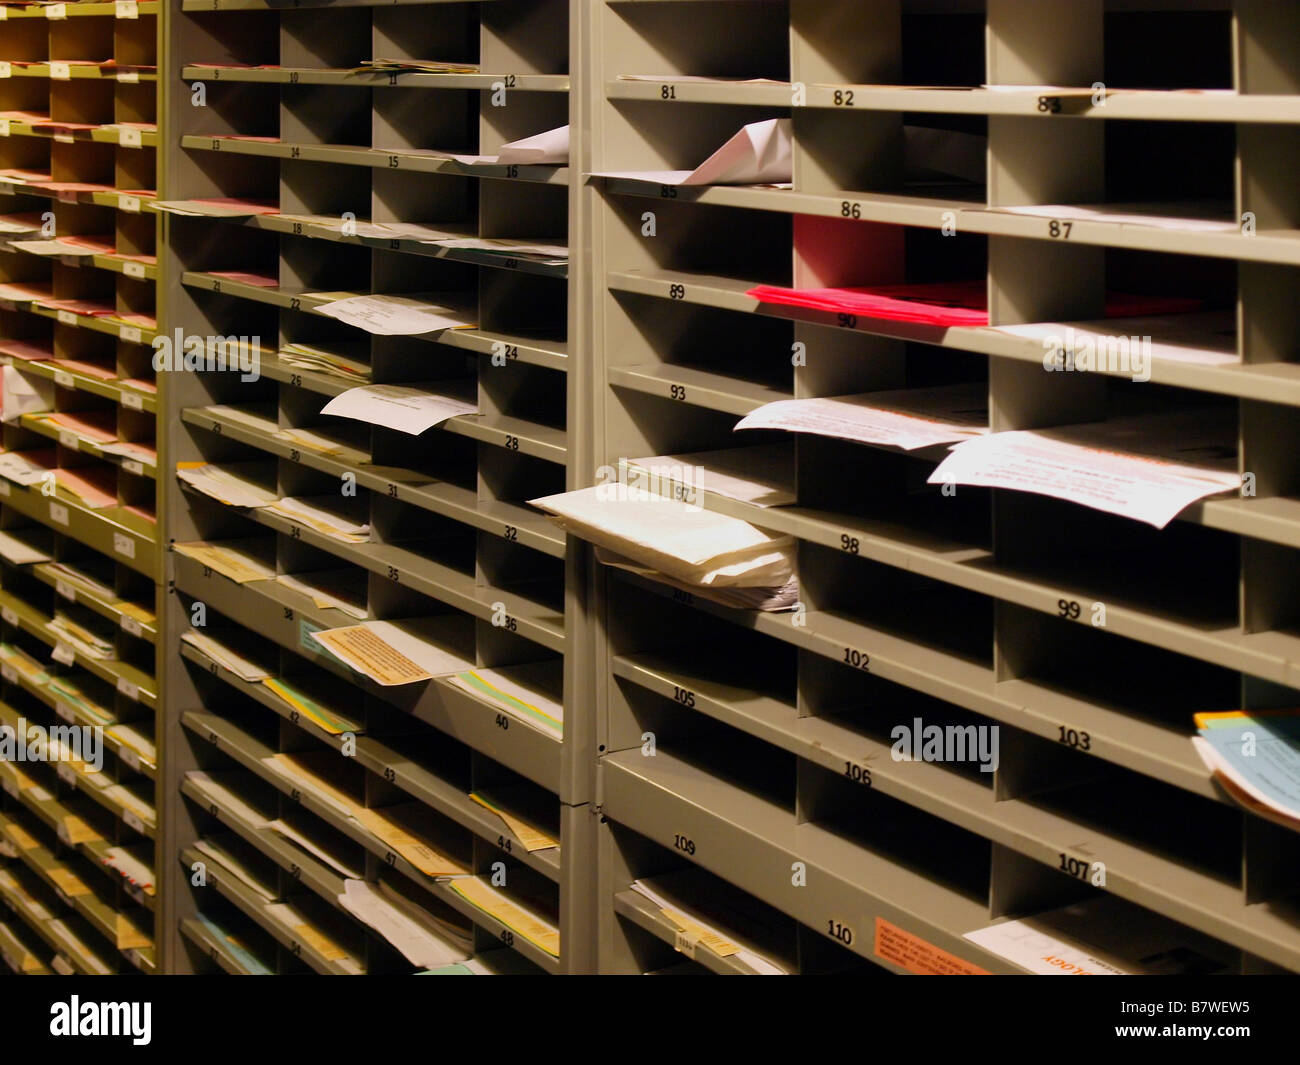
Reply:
x=408 y=410
x=18 y=552
x=507 y=690
x=906 y=418
x=16 y=467
x=1206 y=338
x=1105 y=936
x=231 y=659
x=1095 y=469
x=51 y=247
x=24 y=395
x=543 y=149
x=760 y=153
x=1189 y=218
x=226 y=486
x=1026 y=945
x=322 y=588
x=417 y=940
x=394 y=315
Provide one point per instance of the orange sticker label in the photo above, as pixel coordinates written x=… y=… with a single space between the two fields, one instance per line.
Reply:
x=917 y=956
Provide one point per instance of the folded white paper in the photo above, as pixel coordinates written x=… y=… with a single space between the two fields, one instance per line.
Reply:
x=408 y=410
x=24 y=395
x=760 y=153
x=674 y=538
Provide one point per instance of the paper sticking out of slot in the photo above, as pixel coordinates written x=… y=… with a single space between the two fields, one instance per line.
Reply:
x=226 y=657
x=767 y=598
x=1104 y=936
x=1255 y=758
x=527 y=702
x=229 y=562
x=318 y=360
x=482 y=895
x=760 y=153
x=134 y=871
x=420 y=939
x=395 y=315
x=309 y=709
x=21 y=395
x=550 y=148
x=1146 y=468
x=392 y=653
x=538 y=251
x=405 y=409
x=680 y=540
x=420 y=66
x=332 y=589
x=907 y=418
x=224 y=485
x=18 y=552
x=672 y=895
x=323 y=519
x=532 y=837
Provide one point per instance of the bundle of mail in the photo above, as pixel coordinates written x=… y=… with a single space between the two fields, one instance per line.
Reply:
x=714 y=556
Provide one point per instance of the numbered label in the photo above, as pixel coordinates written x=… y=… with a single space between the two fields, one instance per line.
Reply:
x=1074 y=738
x=838 y=930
